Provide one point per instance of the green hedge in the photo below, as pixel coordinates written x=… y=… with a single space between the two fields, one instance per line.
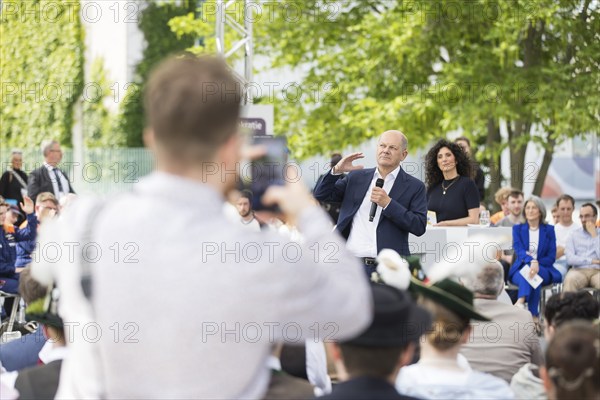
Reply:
x=41 y=70
x=161 y=42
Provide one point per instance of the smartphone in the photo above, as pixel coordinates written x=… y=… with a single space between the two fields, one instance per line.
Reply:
x=268 y=170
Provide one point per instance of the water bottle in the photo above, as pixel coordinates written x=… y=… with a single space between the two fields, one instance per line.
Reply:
x=484 y=218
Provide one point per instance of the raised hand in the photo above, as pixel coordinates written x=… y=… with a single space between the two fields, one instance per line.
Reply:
x=27 y=206
x=345 y=164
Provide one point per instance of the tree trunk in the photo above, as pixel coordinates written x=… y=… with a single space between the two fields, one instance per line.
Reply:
x=517 y=148
x=493 y=142
x=546 y=161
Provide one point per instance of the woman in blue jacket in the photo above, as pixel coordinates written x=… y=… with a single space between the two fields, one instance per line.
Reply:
x=9 y=236
x=534 y=243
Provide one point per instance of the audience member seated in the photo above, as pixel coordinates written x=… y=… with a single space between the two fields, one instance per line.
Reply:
x=282 y=385
x=9 y=275
x=555 y=215
x=508 y=342
x=46 y=207
x=573 y=362
x=515 y=210
x=439 y=374
x=565 y=205
x=244 y=207
x=368 y=364
x=41 y=382
x=451 y=193
x=535 y=246
x=568 y=306
x=583 y=252
x=560 y=309
x=18 y=354
x=501 y=198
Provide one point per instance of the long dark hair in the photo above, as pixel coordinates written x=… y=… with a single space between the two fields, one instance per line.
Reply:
x=433 y=174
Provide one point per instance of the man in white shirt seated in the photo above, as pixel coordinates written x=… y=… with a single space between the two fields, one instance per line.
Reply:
x=565 y=205
x=244 y=208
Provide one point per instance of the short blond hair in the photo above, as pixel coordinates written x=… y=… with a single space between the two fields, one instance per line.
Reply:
x=501 y=194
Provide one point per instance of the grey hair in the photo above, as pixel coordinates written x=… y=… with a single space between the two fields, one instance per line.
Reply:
x=403 y=138
x=540 y=205
x=16 y=151
x=489 y=280
x=46 y=144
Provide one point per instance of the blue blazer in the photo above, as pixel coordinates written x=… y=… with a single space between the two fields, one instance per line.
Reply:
x=407 y=212
x=546 y=252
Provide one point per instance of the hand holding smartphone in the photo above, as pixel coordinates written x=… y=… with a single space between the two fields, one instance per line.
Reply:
x=268 y=170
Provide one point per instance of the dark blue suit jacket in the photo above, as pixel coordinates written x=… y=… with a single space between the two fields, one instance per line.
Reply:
x=546 y=252
x=365 y=387
x=407 y=212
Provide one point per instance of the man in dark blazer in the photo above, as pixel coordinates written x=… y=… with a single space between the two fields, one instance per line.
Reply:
x=368 y=364
x=401 y=202
x=48 y=177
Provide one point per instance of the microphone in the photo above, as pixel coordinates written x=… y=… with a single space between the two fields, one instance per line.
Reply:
x=378 y=183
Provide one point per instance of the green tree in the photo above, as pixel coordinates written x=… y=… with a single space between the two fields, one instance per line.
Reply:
x=160 y=42
x=429 y=67
x=98 y=121
x=41 y=70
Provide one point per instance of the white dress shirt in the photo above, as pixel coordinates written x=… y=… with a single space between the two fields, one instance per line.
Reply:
x=185 y=304
x=362 y=241
x=63 y=181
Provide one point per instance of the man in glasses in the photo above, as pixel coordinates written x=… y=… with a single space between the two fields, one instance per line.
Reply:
x=583 y=252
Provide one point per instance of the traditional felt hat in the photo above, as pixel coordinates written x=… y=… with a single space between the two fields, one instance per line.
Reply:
x=397 y=319
x=451 y=295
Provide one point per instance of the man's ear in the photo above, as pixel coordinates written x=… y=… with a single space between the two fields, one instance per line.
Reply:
x=334 y=350
x=407 y=355
x=548 y=384
x=465 y=335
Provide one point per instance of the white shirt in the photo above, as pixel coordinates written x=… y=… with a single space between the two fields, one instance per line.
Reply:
x=186 y=305
x=428 y=381
x=534 y=242
x=362 y=241
x=251 y=225
x=63 y=181
x=562 y=232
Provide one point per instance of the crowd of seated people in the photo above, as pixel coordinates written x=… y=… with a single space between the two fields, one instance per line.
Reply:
x=197 y=312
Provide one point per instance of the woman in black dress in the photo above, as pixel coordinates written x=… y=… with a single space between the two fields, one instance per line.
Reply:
x=451 y=192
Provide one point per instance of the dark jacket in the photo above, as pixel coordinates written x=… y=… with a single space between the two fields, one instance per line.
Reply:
x=8 y=244
x=39 y=382
x=283 y=386
x=365 y=388
x=407 y=212
x=39 y=182
x=10 y=187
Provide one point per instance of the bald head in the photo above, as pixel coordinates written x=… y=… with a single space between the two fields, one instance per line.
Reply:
x=489 y=280
x=397 y=136
x=391 y=150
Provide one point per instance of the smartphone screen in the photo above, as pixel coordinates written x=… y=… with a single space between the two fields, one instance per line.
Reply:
x=268 y=170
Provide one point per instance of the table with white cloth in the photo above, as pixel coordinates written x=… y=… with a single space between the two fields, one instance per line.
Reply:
x=454 y=243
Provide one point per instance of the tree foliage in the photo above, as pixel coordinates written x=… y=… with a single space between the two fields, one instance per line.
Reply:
x=429 y=67
x=98 y=121
x=160 y=42
x=41 y=70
